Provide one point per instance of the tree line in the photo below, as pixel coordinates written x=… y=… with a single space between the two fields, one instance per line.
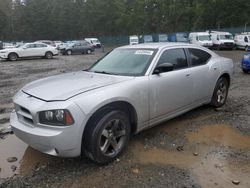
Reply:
x=27 y=20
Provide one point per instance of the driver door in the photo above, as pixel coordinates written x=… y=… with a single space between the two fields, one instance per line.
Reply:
x=170 y=92
x=28 y=50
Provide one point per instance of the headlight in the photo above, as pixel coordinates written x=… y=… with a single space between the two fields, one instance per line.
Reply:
x=56 y=117
x=3 y=52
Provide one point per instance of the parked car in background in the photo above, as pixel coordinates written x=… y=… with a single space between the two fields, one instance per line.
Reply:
x=245 y=63
x=222 y=40
x=29 y=50
x=133 y=39
x=162 y=38
x=178 y=37
x=94 y=41
x=94 y=112
x=57 y=43
x=79 y=47
x=146 y=39
x=8 y=45
x=242 y=41
x=200 y=38
x=49 y=42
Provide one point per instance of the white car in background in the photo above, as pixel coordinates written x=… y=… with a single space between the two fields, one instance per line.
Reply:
x=242 y=41
x=94 y=41
x=29 y=50
x=201 y=38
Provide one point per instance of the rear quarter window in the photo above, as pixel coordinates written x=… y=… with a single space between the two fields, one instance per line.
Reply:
x=198 y=57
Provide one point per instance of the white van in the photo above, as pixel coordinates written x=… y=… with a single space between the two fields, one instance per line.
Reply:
x=200 y=38
x=242 y=41
x=94 y=41
x=222 y=40
x=134 y=39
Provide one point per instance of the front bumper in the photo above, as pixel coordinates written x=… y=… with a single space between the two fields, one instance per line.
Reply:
x=58 y=141
x=245 y=65
x=3 y=56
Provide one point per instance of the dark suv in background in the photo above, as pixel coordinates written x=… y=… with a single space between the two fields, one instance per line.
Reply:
x=80 y=47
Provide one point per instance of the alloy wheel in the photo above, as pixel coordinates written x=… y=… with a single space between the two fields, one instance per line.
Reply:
x=113 y=137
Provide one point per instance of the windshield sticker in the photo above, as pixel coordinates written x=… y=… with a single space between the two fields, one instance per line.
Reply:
x=144 y=52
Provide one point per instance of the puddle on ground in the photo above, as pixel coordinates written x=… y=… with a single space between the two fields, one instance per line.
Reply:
x=213 y=169
x=222 y=134
x=28 y=158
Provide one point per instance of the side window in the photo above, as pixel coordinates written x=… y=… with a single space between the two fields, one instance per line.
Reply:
x=30 y=46
x=245 y=39
x=177 y=57
x=41 y=45
x=198 y=57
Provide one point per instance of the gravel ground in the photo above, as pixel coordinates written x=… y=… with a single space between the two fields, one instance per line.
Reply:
x=202 y=148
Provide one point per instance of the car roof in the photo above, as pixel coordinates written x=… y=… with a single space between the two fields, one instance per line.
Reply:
x=159 y=45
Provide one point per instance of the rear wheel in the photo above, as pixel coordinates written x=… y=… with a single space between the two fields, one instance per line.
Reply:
x=48 y=55
x=220 y=93
x=12 y=56
x=107 y=137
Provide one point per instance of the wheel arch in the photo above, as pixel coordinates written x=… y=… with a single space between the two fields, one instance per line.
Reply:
x=227 y=76
x=13 y=53
x=124 y=106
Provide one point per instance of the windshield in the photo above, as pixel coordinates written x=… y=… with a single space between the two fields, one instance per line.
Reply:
x=204 y=37
x=226 y=37
x=95 y=41
x=133 y=40
x=126 y=62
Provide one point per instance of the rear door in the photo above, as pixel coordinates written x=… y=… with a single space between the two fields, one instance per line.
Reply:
x=40 y=49
x=172 y=91
x=204 y=73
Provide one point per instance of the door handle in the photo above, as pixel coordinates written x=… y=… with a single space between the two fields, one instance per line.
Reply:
x=188 y=74
x=215 y=68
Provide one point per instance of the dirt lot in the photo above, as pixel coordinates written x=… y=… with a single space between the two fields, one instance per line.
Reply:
x=202 y=148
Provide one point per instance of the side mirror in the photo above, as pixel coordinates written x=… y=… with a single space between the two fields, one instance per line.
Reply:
x=164 y=67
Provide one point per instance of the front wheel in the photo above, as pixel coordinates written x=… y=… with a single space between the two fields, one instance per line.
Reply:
x=220 y=93
x=69 y=52
x=107 y=137
x=88 y=51
x=245 y=71
x=246 y=48
x=12 y=56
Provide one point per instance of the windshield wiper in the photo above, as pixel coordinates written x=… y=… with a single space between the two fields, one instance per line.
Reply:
x=102 y=72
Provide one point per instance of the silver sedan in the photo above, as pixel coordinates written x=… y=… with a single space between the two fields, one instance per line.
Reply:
x=95 y=111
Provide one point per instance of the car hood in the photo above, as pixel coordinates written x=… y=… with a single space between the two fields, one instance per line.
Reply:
x=9 y=49
x=65 y=86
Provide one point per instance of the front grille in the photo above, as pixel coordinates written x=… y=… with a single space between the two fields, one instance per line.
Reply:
x=24 y=114
x=228 y=43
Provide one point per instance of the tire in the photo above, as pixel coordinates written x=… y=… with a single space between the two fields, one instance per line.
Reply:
x=246 y=48
x=107 y=137
x=220 y=93
x=88 y=51
x=245 y=71
x=12 y=56
x=48 y=55
x=69 y=52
